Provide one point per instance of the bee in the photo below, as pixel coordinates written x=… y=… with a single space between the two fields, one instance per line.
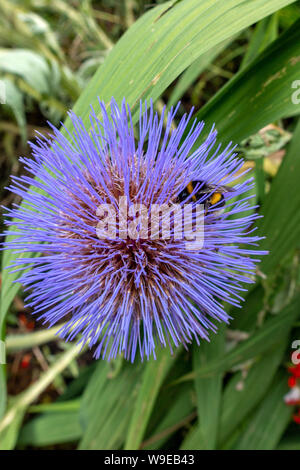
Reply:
x=215 y=195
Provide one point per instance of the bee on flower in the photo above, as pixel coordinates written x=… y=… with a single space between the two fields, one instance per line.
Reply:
x=120 y=294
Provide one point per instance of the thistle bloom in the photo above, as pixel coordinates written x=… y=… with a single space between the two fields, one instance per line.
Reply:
x=125 y=295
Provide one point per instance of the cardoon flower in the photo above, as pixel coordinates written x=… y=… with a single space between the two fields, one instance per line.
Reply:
x=126 y=294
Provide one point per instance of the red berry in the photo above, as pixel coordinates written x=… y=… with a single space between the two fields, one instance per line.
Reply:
x=25 y=361
x=292 y=382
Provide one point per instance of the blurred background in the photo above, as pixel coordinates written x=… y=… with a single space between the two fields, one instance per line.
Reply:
x=49 y=50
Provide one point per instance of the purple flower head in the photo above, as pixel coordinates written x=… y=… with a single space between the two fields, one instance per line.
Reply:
x=126 y=294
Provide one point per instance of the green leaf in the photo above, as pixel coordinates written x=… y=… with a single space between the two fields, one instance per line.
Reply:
x=9 y=436
x=153 y=376
x=290 y=442
x=264 y=338
x=51 y=428
x=171 y=39
x=176 y=414
x=269 y=421
x=75 y=387
x=288 y=15
x=191 y=74
x=246 y=319
x=209 y=390
x=246 y=103
x=194 y=440
x=265 y=32
x=3 y=395
x=107 y=405
x=29 y=66
x=241 y=394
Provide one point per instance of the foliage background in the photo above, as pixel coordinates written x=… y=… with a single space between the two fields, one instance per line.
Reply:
x=235 y=61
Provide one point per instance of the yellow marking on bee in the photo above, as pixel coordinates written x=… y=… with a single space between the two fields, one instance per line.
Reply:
x=190 y=190
x=215 y=198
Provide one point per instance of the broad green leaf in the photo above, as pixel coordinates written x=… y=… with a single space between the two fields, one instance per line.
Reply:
x=271 y=333
x=288 y=15
x=246 y=103
x=209 y=390
x=29 y=66
x=76 y=387
x=269 y=421
x=3 y=396
x=191 y=74
x=41 y=31
x=51 y=428
x=165 y=42
x=176 y=414
x=290 y=442
x=107 y=406
x=170 y=405
x=265 y=32
x=9 y=436
x=246 y=319
x=194 y=440
x=152 y=378
x=242 y=394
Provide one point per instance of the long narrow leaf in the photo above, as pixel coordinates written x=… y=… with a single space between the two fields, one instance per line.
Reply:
x=152 y=379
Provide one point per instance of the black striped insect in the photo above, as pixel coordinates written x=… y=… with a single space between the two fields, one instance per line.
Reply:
x=215 y=194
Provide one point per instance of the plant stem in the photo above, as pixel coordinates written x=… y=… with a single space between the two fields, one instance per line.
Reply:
x=129 y=15
x=32 y=393
x=29 y=340
x=70 y=405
